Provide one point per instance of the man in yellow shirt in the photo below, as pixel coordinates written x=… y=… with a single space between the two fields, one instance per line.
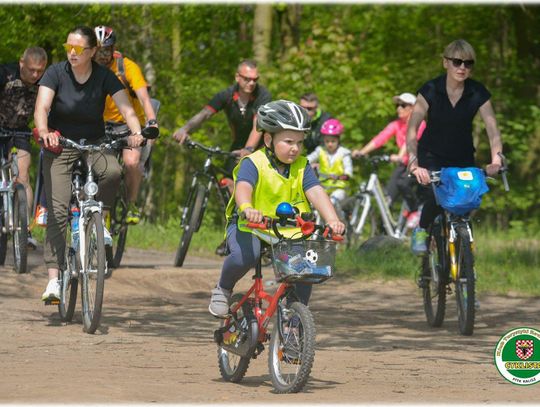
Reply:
x=131 y=76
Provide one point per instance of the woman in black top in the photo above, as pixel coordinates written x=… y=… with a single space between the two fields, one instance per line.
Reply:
x=450 y=103
x=71 y=100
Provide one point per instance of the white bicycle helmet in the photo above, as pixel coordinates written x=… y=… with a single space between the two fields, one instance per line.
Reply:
x=280 y=115
x=105 y=36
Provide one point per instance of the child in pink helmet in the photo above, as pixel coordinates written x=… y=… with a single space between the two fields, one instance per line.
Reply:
x=333 y=161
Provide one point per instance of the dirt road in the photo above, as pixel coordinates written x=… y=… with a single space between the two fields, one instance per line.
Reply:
x=155 y=343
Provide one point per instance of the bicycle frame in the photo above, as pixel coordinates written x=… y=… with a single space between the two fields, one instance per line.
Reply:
x=257 y=294
x=6 y=189
x=208 y=178
x=450 y=224
x=9 y=170
x=373 y=190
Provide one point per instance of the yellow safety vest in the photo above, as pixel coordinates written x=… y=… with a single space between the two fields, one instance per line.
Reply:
x=271 y=189
x=336 y=169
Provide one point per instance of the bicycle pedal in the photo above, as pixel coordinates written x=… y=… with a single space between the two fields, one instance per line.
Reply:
x=51 y=301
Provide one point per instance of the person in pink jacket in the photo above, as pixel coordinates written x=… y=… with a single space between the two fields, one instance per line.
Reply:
x=399 y=183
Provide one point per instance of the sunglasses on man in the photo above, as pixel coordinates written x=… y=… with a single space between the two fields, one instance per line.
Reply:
x=247 y=79
x=468 y=63
x=402 y=105
x=79 y=49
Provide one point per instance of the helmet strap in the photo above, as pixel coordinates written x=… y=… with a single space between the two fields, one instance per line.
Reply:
x=274 y=160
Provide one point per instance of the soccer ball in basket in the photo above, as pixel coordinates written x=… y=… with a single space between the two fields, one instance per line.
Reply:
x=311 y=257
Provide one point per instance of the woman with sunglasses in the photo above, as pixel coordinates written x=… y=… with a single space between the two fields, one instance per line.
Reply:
x=70 y=100
x=450 y=102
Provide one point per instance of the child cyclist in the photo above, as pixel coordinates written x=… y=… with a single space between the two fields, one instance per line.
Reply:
x=274 y=174
x=333 y=160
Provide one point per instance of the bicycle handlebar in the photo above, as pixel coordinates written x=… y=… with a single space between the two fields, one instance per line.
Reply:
x=121 y=142
x=384 y=158
x=209 y=150
x=308 y=227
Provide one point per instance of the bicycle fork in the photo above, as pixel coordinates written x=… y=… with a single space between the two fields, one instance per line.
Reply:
x=452 y=238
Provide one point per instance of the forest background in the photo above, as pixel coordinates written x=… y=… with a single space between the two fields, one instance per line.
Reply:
x=354 y=56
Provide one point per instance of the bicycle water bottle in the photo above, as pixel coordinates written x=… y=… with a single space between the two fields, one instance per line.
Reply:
x=75 y=216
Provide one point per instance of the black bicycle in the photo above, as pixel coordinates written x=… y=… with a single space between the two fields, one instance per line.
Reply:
x=203 y=181
x=13 y=205
x=450 y=263
x=116 y=220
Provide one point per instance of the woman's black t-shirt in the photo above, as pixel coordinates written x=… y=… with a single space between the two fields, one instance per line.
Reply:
x=77 y=109
x=448 y=134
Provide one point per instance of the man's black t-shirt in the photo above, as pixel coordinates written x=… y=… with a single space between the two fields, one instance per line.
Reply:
x=314 y=139
x=17 y=100
x=241 y=123
x=77 y=109
x=448 y=133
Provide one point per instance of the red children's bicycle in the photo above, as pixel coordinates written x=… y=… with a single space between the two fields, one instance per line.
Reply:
x=306 y=257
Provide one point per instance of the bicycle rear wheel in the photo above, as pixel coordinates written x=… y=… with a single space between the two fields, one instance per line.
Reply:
x=20 y=229
x=292 y=350
x=193 y=218
x=69 y=284
x=93 y=273
x=118 y=229
x=232 y=366
x=434 y=277
x=465 y=290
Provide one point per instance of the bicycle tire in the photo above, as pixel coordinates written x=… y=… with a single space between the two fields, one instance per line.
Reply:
x=435 y=276
x=231 y=366
x=93 y=273
x=20 y=230
x=69 y=285
x=465 y=283
x=194 y=215
x=118 y=230
x=297 y=357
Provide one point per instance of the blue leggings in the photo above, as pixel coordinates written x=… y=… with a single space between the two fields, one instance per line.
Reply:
x=245 y=251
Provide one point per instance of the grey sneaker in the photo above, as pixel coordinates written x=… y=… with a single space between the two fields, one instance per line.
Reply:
x=52 y=292
x=219 y=303
x=32 y=243
x=107 y=237
x=418 y=241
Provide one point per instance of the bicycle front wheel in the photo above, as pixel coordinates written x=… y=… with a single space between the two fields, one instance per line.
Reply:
x=434 y=278
x=69 y=284
x=20 y=229
x=93 y=273
x=193 y=217
x=118 y=229
x=465 y=290
x=292 y=350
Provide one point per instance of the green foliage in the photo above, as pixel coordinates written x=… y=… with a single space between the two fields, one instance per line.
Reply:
x=354 y=56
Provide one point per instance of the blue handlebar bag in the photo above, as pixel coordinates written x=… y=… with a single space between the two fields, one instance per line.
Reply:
x=461 y=189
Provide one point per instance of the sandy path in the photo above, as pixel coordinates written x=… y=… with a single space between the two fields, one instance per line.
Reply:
x=155 y=343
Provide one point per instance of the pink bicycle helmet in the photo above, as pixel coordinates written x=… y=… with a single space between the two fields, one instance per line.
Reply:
x=332 y=127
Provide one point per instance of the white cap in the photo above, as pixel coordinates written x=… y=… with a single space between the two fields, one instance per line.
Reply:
x=408 y=98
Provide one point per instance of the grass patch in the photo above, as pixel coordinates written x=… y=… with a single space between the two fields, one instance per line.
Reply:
x=167 y=237
x=504 y=263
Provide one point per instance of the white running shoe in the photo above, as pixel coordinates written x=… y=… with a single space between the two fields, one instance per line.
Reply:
x=52 y=292
x=107 y=237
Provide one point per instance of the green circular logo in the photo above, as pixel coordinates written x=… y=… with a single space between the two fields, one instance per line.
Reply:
x=517 y=356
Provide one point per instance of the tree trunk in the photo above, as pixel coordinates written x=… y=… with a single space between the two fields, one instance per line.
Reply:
x=262 y=32
x=176 y=44
x=290 y=28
